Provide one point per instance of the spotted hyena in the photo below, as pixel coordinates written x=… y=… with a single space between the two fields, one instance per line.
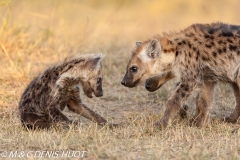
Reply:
x=59 y=86
x=199 y=57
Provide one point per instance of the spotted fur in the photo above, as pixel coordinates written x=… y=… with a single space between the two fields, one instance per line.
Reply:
x=59 y=86
x=199 y=57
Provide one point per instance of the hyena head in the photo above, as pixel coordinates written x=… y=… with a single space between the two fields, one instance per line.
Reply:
x=148 y=60
x=92 y=81
x=87 y=69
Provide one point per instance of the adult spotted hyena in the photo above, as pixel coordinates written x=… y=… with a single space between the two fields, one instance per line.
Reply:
x=199 y=56
x=59 y=86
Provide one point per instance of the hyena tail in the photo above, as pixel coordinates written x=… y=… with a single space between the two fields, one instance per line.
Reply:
x=33 y=121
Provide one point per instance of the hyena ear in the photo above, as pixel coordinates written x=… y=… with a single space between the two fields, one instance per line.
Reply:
x=154 y=49
x=138 y=43
x=95 y=62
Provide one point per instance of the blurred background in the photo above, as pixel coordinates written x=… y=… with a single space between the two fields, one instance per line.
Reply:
x=37 y=33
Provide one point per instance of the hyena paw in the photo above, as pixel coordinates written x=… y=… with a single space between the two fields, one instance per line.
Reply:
x=230 y=120
x=111 y=125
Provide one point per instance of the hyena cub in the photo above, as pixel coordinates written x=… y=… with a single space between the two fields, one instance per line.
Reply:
x=59 y=86
x=199 y=57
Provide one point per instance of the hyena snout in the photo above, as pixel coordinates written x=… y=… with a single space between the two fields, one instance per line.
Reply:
x=123 y=82
x=148 y=84
x=98 y=92
x=128 y=81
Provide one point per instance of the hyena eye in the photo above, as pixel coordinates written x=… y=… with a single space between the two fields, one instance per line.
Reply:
x=133 y=69
x=99 y=80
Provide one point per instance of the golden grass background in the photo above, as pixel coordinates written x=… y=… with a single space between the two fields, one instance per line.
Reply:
x=35 y=34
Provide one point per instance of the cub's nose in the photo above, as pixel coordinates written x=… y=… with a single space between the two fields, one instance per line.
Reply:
x=123 y=82
x=147 y=85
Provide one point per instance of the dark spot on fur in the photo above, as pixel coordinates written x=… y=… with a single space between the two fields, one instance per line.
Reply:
x=229 y=40
x=204 y=58
x=182 y=85
x=212 y=43
x=196 y=57
x=224 y=49
x=186 y=88
x=238 y=52
x=189 y=54
x=232 y=47
x=179 y=43
x=189 y=45
x=219 y=50
x=176 y=53
x=183 y=94
x=214 y=54
x=208 y=46
x=26 y=101
x=227 y=33
x=208 y=37
x=194 y=49
x=220 y=42
x=211 y=30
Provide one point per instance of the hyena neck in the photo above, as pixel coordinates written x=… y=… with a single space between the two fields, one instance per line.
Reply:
x=169 y=48
x=167 y=55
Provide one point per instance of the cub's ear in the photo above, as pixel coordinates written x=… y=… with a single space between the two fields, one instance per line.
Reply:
x=138 y=43
x=95 y=62
x=154 y=49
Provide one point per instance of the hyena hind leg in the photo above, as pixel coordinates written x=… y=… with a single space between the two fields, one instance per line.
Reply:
x=236 y=112
x=33 y=121
x=56 y=116
x=204 y=104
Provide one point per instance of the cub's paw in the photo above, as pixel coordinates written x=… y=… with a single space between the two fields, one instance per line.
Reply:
x=112 y=125
x=229 y=120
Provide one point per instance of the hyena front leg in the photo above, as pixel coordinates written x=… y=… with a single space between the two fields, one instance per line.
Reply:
x=153 y=84
x=204 y=104
x=176 y=101
x=83 y=110
x=236 y=113
x=183 y=110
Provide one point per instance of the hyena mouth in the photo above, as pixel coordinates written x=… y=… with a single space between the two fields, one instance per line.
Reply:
x=134 y=84
x=89 y=93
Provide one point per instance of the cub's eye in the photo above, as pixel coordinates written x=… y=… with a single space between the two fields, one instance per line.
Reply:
x=133 y=69
x=99 y=80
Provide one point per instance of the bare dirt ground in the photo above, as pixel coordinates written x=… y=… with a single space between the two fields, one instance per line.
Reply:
x=36 y=34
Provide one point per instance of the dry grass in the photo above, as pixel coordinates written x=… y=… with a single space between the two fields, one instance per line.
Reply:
x=35 y=34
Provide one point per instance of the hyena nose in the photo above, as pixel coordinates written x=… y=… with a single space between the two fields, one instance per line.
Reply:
x=147 y=85
x=123 y=82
